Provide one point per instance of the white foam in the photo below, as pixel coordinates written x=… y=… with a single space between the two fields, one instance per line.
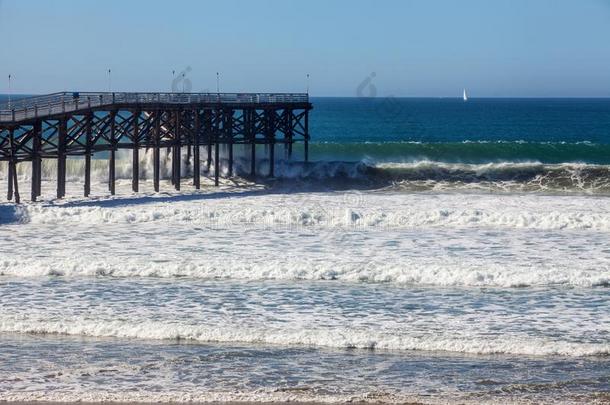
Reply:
x=349 y=210
x=407 y=239
x=442 y=272
x=330 y=337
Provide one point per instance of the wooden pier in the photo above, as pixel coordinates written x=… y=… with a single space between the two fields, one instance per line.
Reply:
x=60 y=125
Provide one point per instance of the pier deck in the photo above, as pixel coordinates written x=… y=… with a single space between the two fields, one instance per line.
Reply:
x=60 y=125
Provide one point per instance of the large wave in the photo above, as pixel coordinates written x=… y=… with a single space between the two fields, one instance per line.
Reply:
x=485 y=166
x=506 y=176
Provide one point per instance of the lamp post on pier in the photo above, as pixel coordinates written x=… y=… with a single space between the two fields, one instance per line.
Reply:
x=9 y=91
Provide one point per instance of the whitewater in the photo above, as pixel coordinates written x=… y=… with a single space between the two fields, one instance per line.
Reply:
x=449 y=277
x=470 y=268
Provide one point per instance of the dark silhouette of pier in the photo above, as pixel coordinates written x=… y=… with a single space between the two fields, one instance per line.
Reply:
x=59 y=125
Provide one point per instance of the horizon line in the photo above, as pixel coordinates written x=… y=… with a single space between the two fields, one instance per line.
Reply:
x=329 y=96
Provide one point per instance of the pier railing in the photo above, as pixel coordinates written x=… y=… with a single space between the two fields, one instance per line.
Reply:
x=56 y=103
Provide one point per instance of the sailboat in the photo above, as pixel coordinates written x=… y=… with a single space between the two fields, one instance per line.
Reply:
x=465 y=95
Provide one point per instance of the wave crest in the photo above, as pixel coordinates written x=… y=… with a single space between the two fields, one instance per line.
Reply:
x=344 y=338
x=414 y=272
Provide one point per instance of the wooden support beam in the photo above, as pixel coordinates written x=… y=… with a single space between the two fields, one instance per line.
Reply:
x=251 y=136
x=15 y=183
x=188 y=122
x=189 y=154
x=177 y=151
x=135 y=162
x=216 y=162
x=306 y=143
x=229 y=134
x=112 y=172
x=39 y=178
x=88 y=144
x=230 y=146
x=157 y=150
x=39 y=171
x=11 y=168
x=112 y=159
x=207 y=128
x=270 y=130
x=36 y=161
x=61 y=157
x=253 y=158
x=33 y=193
x=9 y=193
x=217 y=137
x=196 y=161
x=171 y=150
x=272 y=159
x=289 y=129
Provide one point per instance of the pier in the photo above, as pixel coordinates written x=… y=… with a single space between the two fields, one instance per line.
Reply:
x=60 y=125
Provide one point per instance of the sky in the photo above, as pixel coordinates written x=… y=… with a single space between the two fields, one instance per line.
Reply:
x=409 y=48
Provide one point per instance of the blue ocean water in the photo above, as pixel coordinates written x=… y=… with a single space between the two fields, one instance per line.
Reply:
x=389 y=120
x=451 y=130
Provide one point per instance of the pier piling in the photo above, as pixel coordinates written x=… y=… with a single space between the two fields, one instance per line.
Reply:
x=9 y=193
x=112 y=158
x=196 y=150
x=157 y=151
x=135 y=172
x=61 y=157
x=216 y=163
x=36 y=161
x=306 y=138
x=88 y=153
x=270 y=115
x=177 y=151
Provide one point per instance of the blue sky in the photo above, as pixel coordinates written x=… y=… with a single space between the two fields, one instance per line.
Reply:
x=494 y=48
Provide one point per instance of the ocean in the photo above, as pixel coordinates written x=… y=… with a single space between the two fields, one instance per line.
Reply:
x=432 y=251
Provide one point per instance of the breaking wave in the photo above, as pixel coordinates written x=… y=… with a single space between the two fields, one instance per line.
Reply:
x=321 y=213
x=410 y=166
x=414 y=272
x=426 y=175
x=344 y=338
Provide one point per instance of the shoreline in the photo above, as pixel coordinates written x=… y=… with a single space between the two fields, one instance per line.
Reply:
x=593 y=399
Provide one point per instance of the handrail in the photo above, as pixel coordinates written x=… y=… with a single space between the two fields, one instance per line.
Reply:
x=104 y=98
x=35 y=106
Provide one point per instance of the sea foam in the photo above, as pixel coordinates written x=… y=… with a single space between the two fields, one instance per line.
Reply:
x=333 y=210
x=345 y=338
x=442 y=272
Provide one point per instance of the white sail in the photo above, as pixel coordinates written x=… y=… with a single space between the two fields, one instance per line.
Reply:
x=465 y=95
